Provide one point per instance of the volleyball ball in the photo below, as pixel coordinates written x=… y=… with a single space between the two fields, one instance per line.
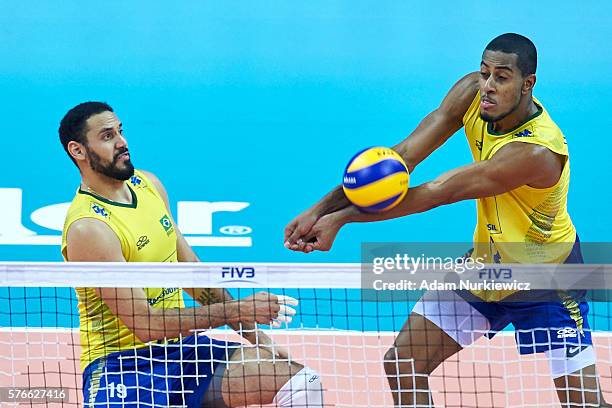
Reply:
x=376 y=179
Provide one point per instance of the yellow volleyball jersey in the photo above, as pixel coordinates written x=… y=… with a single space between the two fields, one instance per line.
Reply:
x=525 y=225
x=147 y=234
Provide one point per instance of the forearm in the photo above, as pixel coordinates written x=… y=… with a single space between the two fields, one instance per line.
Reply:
x=171 y=323
x=418 y=199
x=207 y=296
x=463 y=183
x=333 y=201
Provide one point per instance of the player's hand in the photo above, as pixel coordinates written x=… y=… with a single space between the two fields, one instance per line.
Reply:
x=298 y=228
x=267 y=308
x=323 y=232
x=262 y=308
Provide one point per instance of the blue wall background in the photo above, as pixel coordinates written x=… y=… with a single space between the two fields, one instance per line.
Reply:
x=265 y=102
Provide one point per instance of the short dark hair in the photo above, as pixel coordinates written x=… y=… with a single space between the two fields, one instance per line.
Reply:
x=525 y=50
x=72 y=126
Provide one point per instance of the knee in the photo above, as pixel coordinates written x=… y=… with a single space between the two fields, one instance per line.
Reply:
x=304 y=389
x=405 y=360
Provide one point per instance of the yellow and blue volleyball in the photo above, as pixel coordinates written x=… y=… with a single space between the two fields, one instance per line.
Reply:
x=376 y=179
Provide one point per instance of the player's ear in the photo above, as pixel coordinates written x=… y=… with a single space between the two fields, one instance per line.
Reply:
x=528 y=83
x=76 y=150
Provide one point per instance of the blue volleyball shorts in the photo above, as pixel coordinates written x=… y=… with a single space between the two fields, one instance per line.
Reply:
x=558 y=326
x=173 y=373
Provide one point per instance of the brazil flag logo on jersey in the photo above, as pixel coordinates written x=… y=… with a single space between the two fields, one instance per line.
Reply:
x=167 y=224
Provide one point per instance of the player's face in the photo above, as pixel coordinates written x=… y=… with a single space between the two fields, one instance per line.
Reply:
x=500 y=83
x=106 y=147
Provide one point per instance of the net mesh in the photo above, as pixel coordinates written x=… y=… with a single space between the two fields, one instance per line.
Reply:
x=344 y=337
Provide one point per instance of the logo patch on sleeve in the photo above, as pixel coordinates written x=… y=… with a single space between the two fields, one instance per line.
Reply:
x=100 y=210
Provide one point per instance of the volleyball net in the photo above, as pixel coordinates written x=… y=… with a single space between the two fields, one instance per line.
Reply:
x=340 y=330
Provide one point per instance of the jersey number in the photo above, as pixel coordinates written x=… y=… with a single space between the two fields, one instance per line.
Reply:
x=120 y=389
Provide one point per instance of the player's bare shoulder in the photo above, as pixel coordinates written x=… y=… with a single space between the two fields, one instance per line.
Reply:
x=156 y=183
x=470 y=81
x=152 y=177
x=92 y=240
x=460 y=97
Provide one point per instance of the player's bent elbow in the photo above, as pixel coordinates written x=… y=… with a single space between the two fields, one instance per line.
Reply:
x=144 y=335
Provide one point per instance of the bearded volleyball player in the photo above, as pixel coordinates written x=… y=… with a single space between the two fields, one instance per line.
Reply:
x=122 y=215
x=520 y=178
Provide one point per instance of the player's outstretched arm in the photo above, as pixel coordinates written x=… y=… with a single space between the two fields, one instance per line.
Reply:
x=91 y=240
x=513 y=166
x=430 y=134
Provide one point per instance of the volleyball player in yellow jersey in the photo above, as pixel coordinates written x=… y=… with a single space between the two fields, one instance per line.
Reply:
x=119 y=214
x=520 y=178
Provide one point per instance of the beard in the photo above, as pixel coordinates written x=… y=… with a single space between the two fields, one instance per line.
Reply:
x=490 y=119
x=111 y=169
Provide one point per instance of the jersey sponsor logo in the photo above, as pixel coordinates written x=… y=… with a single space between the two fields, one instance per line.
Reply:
x=165 y=292
x=135 y=180
x=567 y=332
x=572 y=351
x=142 y=241
x=478 y=144
x=524 y=133
x=98 y=209
x=197 y=220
